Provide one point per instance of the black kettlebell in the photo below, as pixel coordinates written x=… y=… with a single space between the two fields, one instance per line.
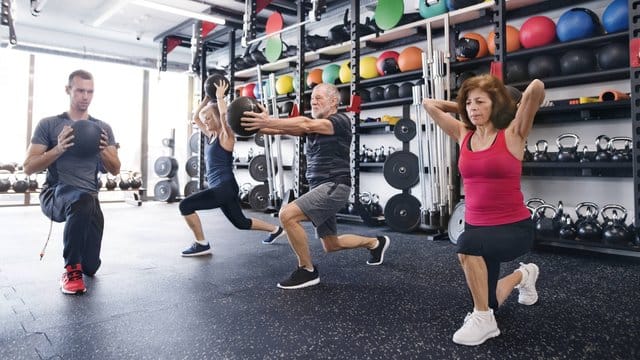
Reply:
x=375 y=209
x=528 y=156
x=620 y=154
x=541 y=154
x=380 y=156
x=602 y=151
x=111 y=183
x=33 y=183
x=5 y=185
x=614 y=229
x=587 y=226
x=567 y=230
x=21 y=185
x=544 y=225
x=124 y=184
x=558 y=219
x=567 y=153
x=532 y=204
x=585 y=157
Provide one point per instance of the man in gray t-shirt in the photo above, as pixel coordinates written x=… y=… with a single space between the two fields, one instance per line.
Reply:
x=70 y=193
x=328 y=171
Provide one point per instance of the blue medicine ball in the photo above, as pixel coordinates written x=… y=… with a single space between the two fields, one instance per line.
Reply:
x=578 y=23
x=86 y=138
x=616 y=16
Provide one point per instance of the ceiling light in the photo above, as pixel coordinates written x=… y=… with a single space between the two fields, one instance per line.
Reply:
x=180 y=12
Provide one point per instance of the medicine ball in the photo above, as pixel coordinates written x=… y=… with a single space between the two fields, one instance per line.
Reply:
x=406 y=90
x=331 y=74
x=613 y=56
x=577 y=61
x=365 y=96
x=209 y=85
x=391 y=92
x=410 y=59
x=314 y=78
x=543 y=66
x=235 y=112
x=428 y=10
x=345 y=95
x=284 y=84
x=513 y=40
x=86 y=138
x=578 y=23
x=286 y=107
x=616 y=16
x=368 y=67
x=345 y=72
x=461 y=77
x=387 y=63
x=516 y=71
x=537 y=31
x=470 y=46
x=247 y=90
x=377 y=93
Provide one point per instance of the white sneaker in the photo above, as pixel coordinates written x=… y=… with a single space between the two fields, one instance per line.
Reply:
x=477 y=328
x=527 y=287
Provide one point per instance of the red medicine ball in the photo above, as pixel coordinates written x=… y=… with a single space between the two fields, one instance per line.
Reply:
x=248 y=89
x=387 y=63
x=537 y=31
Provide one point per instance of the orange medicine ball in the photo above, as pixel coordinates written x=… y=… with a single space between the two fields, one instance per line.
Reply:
x=471 y=46
x=314 y=77
x=513 y=40
x=410 y=59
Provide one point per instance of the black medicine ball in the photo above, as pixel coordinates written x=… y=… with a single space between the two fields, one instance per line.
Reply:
x=405 y=90
x=516 y=71
x=365 y=96
x=86 y=138
x=613 y=56
x=377 y=93
x=577 y=62
x=543 y=66
x=391 y=92
x=209 y=85
x=235 y=113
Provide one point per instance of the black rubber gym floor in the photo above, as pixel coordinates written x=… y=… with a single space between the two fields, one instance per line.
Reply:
x=147 y=302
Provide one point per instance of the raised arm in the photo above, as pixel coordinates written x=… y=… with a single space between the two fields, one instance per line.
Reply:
x=440 y=111
x=196 y=116
x=532 y=98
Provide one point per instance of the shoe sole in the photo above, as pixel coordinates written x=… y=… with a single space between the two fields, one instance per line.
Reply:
x=274 y=239
x=315 y=281
x=206 y=252
x=67 y=292
x=384 y=249
x=480 y=341
x=536 y=274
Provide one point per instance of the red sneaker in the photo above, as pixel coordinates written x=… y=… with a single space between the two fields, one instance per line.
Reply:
x=71 y=282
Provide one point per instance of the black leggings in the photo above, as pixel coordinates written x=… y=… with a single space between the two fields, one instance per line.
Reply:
x=496 y=244
x=223 y=196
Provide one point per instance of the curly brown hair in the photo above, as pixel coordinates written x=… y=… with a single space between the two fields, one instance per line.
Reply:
x=503 y=107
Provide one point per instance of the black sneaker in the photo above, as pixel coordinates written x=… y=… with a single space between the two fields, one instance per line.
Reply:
x=301 y=278
x=376 y=256
x=271 y=238
x=197 y=250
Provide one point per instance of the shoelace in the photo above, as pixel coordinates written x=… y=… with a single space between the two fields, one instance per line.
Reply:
x=74 y=275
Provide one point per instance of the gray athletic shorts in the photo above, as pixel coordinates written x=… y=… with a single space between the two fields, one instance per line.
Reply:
x=322 y=203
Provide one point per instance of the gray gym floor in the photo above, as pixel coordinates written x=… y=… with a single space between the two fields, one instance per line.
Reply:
x=147 y=302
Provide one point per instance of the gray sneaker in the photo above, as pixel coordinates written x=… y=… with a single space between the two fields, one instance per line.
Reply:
x=197 y=250
x=527 y=287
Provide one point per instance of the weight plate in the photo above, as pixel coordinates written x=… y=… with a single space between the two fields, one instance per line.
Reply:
x=165 y=166
x=259 y=139
x=191 y=187
x=192 y=165
x=166 y=191
x=405 y=130
x=402 y=212
x=259 y=197
x=401 y=169
x=258 y=167
x=194 y=142
x=456 y=222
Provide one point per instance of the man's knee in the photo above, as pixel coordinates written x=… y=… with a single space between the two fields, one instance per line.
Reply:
x=288 y=213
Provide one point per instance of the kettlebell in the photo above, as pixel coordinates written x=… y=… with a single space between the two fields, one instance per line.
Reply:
x=567 y=230
x=375 y=208
x=380 y=156
x=124 y=184
x=544 y=225
x=541 y=151
x=111 y=183
x=619 y=154
x=602 y=152
x=21 y=185
x=528 y=156
x=614 y=229
x=558 y=219
x=587 y=226
x=567 y=153
x=33 y=183
x=532 y=204
x=585 y=157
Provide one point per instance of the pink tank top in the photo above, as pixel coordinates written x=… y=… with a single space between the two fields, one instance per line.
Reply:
x=491 y=184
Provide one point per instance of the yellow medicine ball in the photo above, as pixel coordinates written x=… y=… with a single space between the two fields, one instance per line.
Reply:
x=345 y=72
x=368 y=69
x=284 y=84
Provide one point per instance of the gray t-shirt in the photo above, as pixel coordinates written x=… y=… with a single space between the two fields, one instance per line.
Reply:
x=68 y=168
x=328 y=156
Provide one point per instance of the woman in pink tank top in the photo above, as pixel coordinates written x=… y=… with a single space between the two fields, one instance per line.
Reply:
x=491 y=132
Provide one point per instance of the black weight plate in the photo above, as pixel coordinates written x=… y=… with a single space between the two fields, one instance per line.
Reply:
x=192 y=165
x=259 y=139
x=194 y=142
x=165 y=190
x=402 y=212
x=191 y=187
x=165 y=166
x=401 y=169
x=405 y=130
x=259 y=197
x=258 y=167
x=456 y=223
